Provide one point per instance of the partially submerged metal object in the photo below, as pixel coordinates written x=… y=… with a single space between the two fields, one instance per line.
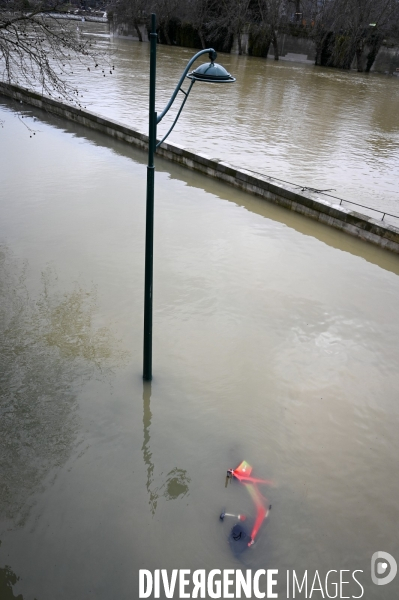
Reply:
x=243 y=536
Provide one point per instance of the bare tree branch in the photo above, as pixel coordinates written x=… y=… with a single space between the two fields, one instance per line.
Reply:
x=39 y=50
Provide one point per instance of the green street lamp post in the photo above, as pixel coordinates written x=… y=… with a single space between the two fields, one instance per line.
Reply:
x=210 y=73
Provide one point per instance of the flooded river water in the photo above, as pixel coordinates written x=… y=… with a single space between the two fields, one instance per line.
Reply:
x=313 y=126
x=275 y=341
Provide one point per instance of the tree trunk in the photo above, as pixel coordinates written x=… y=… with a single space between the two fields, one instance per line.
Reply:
x=319 y=42
x=275 y=45
x=360 y=57
x=350 y=51
x=201 y=37
x=137 y=28
x=317 y=60
x=239 y=42
x=166 y=34
x=375 y=45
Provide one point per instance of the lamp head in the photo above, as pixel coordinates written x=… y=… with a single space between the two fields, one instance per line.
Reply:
x=211 y=72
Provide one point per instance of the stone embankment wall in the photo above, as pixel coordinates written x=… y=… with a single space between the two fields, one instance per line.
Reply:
x=86 y=17
x=288 y=196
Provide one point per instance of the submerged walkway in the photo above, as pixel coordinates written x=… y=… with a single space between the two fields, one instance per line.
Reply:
x=308 y=201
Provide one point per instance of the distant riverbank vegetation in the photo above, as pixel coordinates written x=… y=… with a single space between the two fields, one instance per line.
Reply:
x=345 y=33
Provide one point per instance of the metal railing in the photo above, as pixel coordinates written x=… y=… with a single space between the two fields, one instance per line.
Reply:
x=364 y=206
x=325 y=192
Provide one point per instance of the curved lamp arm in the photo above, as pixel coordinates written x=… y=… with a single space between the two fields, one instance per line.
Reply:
x=212 y=56
x=178 y=114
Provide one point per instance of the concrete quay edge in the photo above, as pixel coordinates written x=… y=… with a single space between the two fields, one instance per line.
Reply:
x=306 y=203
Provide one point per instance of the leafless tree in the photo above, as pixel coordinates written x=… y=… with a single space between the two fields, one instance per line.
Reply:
x=271 y=12
x=38 y=49
x=197 y=13
x=343 y=30
x=346 y=30
x=165 y=11
x=230 y=18
x=131 y=14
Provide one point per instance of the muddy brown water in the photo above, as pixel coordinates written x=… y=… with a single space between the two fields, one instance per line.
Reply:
x=316 y=127
x=275 y=341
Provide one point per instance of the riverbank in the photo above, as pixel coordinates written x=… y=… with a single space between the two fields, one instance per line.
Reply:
x=80 y=17
x=291 y=48
x=308 y=203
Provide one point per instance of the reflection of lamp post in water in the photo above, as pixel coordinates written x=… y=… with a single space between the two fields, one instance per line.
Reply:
x=177 y=480
x=210 y=73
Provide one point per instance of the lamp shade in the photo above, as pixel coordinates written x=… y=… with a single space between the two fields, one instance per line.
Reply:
x=211 y=73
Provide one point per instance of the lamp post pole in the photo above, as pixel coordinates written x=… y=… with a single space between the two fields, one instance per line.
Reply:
x=149 y=231
x=211 y=73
